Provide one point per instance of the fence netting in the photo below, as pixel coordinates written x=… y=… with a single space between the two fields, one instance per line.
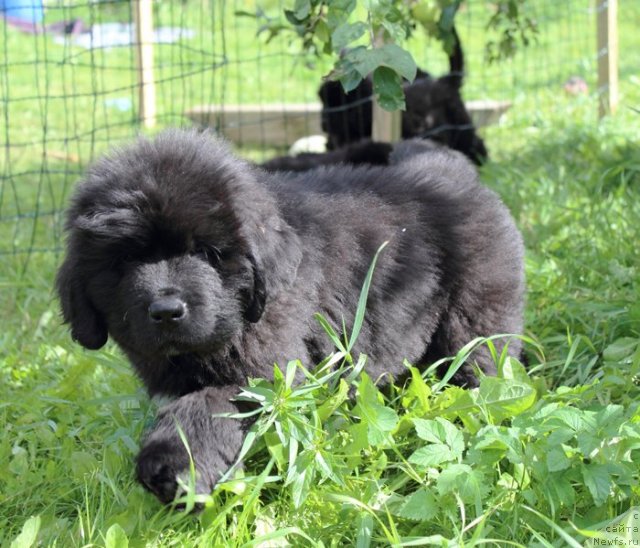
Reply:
x=69 y=88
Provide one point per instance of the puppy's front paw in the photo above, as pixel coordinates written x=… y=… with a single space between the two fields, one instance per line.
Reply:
x=160 y=464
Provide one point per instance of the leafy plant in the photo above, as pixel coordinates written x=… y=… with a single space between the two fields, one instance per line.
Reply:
x=436 y=454
x=71 y=419
x=369 y=41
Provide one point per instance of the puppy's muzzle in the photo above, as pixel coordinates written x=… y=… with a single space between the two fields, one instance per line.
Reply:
x=167 y=311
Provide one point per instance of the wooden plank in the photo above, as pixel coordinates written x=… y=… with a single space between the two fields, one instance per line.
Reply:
x=143 y=23
x=279 y=125
x=486 y=112
x=387 y=126
x=607 y=25
x=276 y=125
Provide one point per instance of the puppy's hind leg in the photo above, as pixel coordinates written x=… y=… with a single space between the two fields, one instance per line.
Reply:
x=458 y=327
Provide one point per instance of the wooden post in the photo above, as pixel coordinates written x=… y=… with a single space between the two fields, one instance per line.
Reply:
x=143 y=21
x=607 y=22
x=284 y=123
x=387 y=126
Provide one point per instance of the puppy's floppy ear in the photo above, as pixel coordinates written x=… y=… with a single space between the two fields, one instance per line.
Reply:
x=258 y=294
x=88 y=327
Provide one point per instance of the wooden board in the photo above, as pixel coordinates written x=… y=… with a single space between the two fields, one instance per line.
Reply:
x=143 y=21
x=280 y=125
x=607 y=23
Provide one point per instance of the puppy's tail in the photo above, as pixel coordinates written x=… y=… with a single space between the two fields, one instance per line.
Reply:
x=456 y=56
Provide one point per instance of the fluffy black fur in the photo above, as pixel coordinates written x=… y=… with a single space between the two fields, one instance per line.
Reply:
x=363 y=152
x=434 y=110
x=206 y=270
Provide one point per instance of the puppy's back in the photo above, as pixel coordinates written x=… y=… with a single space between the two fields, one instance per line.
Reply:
x=443 y=225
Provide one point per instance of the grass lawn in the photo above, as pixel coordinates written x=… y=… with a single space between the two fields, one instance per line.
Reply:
x=536 y=457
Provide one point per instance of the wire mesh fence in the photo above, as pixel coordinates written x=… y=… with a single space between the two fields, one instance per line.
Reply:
x=70 y=82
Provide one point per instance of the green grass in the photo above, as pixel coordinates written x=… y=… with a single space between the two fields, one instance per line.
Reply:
x=535 y=459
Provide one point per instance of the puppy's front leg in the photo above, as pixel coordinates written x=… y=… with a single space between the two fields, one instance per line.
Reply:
x=214 y=442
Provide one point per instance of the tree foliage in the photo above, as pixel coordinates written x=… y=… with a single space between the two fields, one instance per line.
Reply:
x=370 y=41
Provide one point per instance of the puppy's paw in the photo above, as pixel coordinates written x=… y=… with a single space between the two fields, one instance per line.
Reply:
x=161 y=463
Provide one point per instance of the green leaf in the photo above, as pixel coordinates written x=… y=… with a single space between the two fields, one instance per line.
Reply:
x=365 y=529
x=557 y=459
x=116 y=537
x=588 y=442
x=28 y=534
x=278 y=377
x=559 y=490
x=418 y=390
x=290 y=375
x=19 y=464
x=504 y=441
x=505 y=398
x=380 y=420
x=468 y=483
x=357 y=369
x=419 y=506
x=447 y=16
x=440 y=431
x=446 y=442
x=575 y=419
x=387 y=87
x=362 y=301
x=291 y=18
x=323 y=32
x=513 y=369
x=350 y=80
x=302 y=9
x=343 y=6
x=276 y=448
x=347 y=33
x=82 y=463
x=365 y=61
x=332 y=403
x=300 y=477
x=396 y=29
x=610 y=419
x=598 y=480
x=620 y=349
x=432 y=455
x=262 y=394
x=458 y=403
x=359 y=433
x=335 y=338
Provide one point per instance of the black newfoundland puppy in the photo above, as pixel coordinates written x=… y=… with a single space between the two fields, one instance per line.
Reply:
x=206 y=270
x=434 y=110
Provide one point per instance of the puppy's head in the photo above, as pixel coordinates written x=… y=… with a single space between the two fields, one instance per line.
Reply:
x=346 y=117
x=435 y=110
x=168 y=245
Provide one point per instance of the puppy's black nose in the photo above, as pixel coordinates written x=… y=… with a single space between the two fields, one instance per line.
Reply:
x=167 y=310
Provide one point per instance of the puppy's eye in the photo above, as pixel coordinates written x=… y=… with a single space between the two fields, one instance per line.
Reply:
x=207 y=253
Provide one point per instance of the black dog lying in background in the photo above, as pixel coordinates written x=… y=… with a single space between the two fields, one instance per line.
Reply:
x=362 y=152
x=206 y=271
x=434 y=110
